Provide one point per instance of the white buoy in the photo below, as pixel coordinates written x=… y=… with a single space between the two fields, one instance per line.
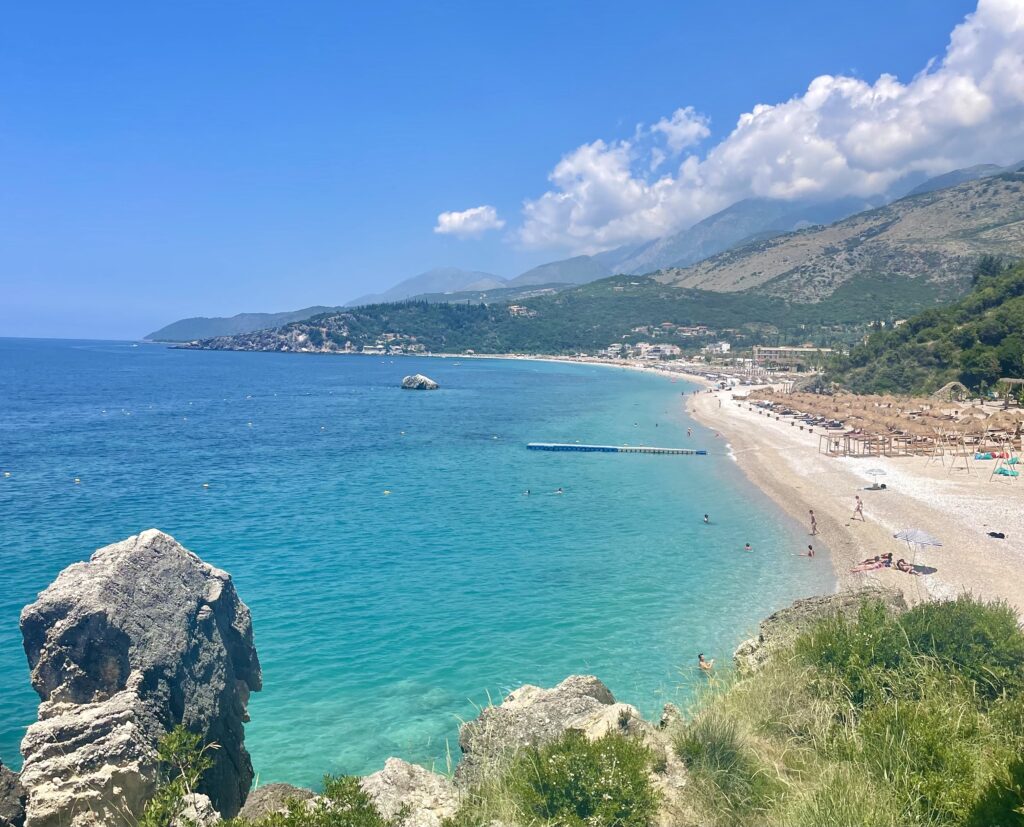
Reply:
x=77 y=481
x=386 y=492
x=7 y=473
x=206 y=485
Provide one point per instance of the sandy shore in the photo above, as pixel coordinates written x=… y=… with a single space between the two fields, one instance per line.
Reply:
x=957 y=508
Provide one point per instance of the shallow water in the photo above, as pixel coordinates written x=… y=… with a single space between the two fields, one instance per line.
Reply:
x=382 y=619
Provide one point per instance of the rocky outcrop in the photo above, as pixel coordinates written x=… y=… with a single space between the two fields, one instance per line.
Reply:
x=421 y=797
x=12 y=799
x=122 y=648
x=271 y=799
x=197 y=811
x=782 y=628
x=419 y=382
x=531 y=716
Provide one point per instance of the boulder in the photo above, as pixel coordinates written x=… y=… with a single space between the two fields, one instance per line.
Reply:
x=421 y=797
x=12 y=799
x=419 y=382
x=122 y=648
x=782 y=628
x=198 y=811
x=530 y=716
x=271 y=799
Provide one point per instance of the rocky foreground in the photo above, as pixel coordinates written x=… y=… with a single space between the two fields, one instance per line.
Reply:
x=146 y=636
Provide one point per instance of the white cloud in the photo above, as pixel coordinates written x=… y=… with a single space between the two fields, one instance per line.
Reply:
x=468 y=223
x=843 y=136
x=685 y=128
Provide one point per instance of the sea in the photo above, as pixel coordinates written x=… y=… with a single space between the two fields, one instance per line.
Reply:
x=406 y=559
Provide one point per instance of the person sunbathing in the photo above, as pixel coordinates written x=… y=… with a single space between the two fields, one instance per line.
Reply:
x=904 y=566
x=871 y=565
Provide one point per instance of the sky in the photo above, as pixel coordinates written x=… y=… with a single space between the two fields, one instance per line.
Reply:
x=159 y=161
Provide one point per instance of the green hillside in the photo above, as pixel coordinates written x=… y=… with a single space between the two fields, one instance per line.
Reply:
x=977 y=341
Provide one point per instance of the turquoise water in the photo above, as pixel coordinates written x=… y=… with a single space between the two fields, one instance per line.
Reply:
x=382 y=620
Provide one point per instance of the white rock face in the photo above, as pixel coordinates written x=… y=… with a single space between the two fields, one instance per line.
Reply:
x=419 y=382
x=427 y=797
x=141 y=638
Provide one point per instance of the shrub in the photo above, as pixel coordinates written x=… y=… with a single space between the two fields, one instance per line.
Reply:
x=343 y=804
x=1001 y=803
x=842 y=796
x=861 y=654
x=575 y=782
x=981 y=641
x=183 y=760
x=715 y=750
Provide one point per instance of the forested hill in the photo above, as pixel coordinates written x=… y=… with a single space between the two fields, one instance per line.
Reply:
x=977 y=341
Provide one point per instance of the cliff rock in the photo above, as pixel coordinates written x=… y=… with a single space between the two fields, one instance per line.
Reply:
x=271 y=799
x=782 y=628
x=12 y=799
x=419 y=382
x=122 y=648
x=426 y=798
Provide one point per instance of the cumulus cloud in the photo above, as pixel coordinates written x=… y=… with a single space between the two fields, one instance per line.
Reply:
x=469 y=223
x=842 y=136
x=685 y=128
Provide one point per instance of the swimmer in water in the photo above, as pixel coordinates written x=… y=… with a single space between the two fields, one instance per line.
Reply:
x=706 y=665
x=559 y=490
x=526 y=493
x=808 y=553
x=707 y=519
x=748 y=547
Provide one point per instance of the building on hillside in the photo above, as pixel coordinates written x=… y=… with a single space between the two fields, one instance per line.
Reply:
x=799 y=358
x=717 y=349
x=520 y=310
x=614 y=350
x=373 y=350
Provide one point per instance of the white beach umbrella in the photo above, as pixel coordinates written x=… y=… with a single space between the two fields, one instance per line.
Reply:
x=875 y=474
x=917 y=537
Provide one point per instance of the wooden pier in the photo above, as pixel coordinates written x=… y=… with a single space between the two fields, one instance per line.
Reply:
x=612 y=449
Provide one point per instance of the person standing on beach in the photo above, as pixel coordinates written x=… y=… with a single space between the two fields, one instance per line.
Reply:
x=814 y=523
x=858 y=509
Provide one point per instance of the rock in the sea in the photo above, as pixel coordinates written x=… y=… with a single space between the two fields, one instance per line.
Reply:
x=782 y=628
x=419 y=382
x=12 y=799
x=271 y=799
x=424 y=798
x=122 y=648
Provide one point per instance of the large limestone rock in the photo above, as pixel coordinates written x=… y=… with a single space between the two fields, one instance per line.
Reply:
x=424 y=798
x=782 y=628
x=531 y=716
x=419 y=382
x=122 y=648
x=271 y=799
x=12 y=799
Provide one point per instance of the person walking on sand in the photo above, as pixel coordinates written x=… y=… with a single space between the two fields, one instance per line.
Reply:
x=858 y=509
x=814 y=523
x=705 y=665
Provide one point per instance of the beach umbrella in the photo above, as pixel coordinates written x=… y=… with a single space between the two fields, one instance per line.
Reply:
x=875 y=474
x=917 y=538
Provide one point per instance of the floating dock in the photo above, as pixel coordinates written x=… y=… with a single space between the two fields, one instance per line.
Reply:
x=612 y=449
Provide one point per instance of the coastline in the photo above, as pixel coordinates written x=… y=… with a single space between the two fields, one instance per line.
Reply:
x=958 y=509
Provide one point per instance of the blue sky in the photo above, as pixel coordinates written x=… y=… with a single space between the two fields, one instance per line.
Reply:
x=166 y=160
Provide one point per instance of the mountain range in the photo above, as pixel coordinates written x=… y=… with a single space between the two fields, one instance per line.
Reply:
x=749 y=243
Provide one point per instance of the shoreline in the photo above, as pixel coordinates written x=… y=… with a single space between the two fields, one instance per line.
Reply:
x=959 y=509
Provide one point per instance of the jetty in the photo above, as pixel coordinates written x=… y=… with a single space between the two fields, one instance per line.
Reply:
x=613 y=449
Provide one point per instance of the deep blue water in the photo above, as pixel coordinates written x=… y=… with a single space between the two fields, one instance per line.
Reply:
x=382 y=619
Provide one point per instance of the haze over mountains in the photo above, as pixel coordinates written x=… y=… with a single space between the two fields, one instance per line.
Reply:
x=732 y=250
